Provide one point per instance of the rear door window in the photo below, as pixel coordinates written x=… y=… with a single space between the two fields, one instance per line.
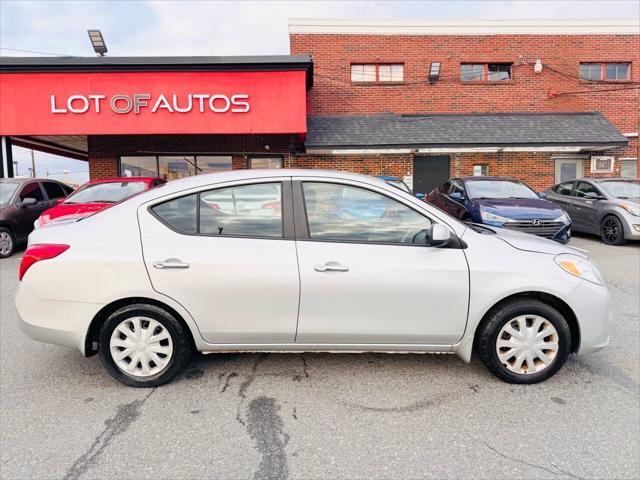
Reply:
x=179 y=214
x=54 y=190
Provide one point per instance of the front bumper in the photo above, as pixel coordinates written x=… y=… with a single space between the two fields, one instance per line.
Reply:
x=631 y=225
x=591 y=304
x=53 y=321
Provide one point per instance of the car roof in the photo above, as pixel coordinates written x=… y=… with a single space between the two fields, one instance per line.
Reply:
x=25 y=180
x=487 y=178
x=123 y=179
x=607 y=179
x=388 y=177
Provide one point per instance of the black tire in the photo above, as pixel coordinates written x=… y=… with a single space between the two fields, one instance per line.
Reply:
x=487 y=333
x=9 y=237
x=180 y=339
x=612 y=230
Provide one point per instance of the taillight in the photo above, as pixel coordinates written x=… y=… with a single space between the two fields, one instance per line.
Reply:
x=35 y=253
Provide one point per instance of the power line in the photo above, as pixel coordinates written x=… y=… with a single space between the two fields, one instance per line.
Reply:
x=36 y=51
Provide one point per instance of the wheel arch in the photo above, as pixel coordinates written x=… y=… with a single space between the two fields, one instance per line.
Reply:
x=91 y=338
x=551 y=300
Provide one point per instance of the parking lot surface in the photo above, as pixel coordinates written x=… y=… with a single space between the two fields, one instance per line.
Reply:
x=325 y=415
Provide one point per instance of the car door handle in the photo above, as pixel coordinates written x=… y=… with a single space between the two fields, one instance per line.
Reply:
x=331 y=267
x=170 y=263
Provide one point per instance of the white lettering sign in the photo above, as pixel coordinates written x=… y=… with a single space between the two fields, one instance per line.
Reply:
x=123 y=103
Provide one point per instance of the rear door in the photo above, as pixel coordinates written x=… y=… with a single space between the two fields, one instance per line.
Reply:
x=228 y=255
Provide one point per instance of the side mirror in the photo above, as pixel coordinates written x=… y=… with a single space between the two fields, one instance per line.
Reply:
x=592 y=196
x=457 y=196
x=26 y=202
x=542 y=195
x=440 y=235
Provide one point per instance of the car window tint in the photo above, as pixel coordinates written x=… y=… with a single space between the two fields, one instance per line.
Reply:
x=32 y=190
x=583 y=188
x=456 y=187
x=67 y=189
x=245 y=210
x=444 y=188
x=179 y=213
x=563 y=188
x=53 y=190
x=344 y=213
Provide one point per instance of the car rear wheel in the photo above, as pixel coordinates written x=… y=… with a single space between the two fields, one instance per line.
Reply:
x=7 y=242
x=612 y=231
x=524 y=341
x=142 y=345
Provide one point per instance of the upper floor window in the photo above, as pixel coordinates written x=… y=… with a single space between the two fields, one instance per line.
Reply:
x=604 y=71
x=485 y=71
x=377 y=72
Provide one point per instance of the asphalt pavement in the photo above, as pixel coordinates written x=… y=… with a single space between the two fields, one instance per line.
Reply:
x=312 y=416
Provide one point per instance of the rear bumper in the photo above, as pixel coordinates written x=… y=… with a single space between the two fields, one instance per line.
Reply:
x=52 y=321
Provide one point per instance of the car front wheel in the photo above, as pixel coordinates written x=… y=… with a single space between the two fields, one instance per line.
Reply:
x=524 y=341
x=7 y=242
x=612 y=231
x=143 y=345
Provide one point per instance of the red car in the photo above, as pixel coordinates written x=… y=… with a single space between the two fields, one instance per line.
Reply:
x=96 y=195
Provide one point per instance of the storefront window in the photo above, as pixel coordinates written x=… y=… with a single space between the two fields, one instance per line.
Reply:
x=138 y=167
x=211 y=164
x=265 y=162
x=173 y=168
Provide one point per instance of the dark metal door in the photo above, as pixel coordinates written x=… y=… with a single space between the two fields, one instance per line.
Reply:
x=429 y=172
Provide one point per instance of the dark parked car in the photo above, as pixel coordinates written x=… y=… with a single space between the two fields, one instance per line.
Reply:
x=502 y=202
x=22 y=200
x=609 y=207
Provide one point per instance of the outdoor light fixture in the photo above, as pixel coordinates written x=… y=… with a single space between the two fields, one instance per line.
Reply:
x=537 y=68
x=97 y=41
x=434 y=72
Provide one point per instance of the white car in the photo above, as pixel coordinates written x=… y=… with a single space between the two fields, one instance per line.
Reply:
x=350 y=263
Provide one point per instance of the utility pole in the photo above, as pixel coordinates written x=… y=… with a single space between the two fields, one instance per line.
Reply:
x=33 y=165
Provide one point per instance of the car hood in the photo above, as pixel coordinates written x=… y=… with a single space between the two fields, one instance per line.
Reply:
x=521 y=208
x=533 y=243
x=73 y=210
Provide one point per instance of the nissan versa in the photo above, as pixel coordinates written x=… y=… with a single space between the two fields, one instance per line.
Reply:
x=326 y=262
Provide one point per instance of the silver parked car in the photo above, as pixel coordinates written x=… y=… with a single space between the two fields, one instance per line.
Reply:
x=609 y=207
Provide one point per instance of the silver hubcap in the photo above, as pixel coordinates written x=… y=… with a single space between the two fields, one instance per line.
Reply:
x=141 y=346
x=527 y=344
x=6 y=243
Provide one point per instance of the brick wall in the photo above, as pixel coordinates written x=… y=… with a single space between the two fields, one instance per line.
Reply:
x=334 y=94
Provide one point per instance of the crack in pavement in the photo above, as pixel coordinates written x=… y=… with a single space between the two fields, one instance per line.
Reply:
x=266 y=428
x=125 y=416
x=532 y=465
x=246 y=384
x=412 y=407
x=226 y=381
x=298 y=378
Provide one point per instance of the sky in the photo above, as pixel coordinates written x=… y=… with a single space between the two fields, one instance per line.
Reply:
x=229 y=28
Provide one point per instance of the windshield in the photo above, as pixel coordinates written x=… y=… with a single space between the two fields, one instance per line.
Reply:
x=622 y=189
x=499 y=189
x=106 y=192
x=6 y=192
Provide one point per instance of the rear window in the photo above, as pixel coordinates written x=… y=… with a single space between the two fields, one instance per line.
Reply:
x=108 y=192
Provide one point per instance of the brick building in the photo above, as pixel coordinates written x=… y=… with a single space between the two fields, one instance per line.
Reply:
x=539 y=100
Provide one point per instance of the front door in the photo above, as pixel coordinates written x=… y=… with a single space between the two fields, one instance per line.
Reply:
x=228 y=256
x=29 y=213
x=368 y=275
x=429 y=172
x=568 y=169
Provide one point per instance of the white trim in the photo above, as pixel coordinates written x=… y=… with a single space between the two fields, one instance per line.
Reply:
x=475 y=27
x=631 y=135
x=594 y=160
x=383 y=151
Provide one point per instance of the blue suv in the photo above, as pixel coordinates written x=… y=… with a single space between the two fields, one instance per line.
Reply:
x=502 y=202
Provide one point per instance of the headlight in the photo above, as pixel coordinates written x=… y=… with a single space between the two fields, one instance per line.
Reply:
x=580 y=267
x=491 y=217
x=564 y=218
x=632 y=209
